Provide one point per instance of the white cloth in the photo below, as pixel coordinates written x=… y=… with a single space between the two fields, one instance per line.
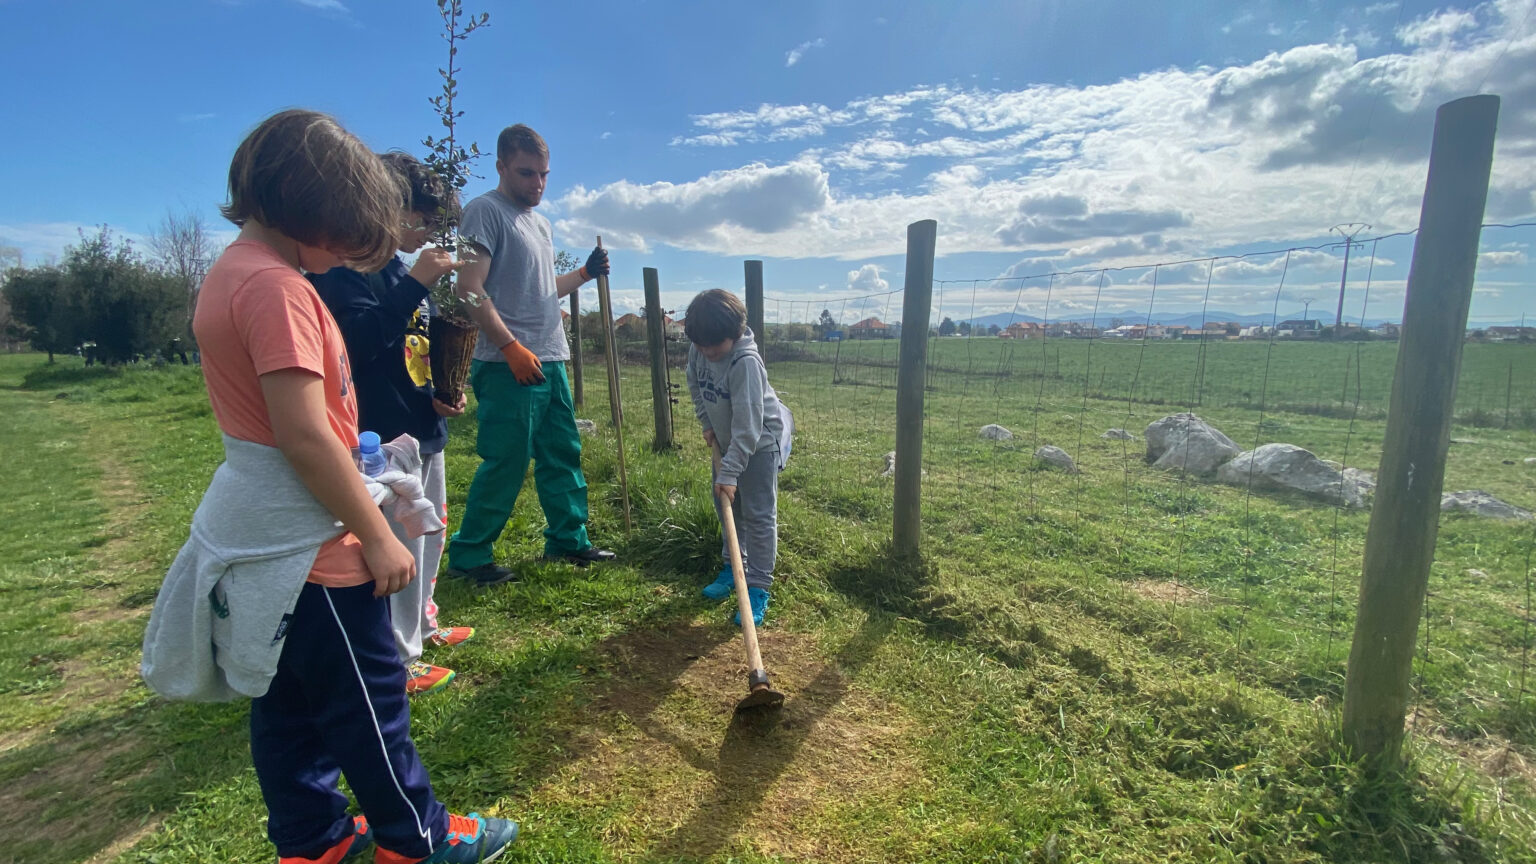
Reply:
x=400 y=493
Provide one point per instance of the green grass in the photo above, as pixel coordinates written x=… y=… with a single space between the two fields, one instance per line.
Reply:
x=1019 y=695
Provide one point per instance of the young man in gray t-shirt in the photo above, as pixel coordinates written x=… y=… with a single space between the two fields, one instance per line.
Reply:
x=518 y=375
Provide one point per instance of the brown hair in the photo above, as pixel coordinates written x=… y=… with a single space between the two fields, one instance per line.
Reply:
x=425 y=192
x=302 y=174
x=519 y=139
x=715 y=316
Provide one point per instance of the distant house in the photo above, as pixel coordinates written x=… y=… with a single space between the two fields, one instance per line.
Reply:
x=1299 y=329
x=1388 y=330
x=869 y=328
x=1022 y=330
x=1257 y=331
x=1510 y=334
x=1174 y=331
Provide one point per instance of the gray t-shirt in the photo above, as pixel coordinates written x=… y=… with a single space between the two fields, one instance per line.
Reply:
x=521 y=281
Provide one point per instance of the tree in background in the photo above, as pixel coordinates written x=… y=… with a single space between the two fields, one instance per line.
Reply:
x=184 y=248
x=825 y=324
x=102 y=294
x=993 y=329
x=947 y=327
x=964 y=328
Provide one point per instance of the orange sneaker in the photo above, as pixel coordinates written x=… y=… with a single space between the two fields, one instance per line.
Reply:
x=442 y=637
x=425 y=678
x=349 y=849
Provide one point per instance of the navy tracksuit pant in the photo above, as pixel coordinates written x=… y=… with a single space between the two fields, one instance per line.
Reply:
x=338 y=706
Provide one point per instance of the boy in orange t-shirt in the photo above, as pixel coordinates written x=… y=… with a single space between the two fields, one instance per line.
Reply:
x=307 y=194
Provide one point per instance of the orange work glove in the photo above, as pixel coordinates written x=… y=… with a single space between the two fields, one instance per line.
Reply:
x=526 y=368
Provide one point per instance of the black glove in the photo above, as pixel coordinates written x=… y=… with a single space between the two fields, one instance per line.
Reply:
x=597 y=263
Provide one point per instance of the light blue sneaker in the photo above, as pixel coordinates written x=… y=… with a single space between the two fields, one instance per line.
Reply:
x=758 y=599
x=723 y=585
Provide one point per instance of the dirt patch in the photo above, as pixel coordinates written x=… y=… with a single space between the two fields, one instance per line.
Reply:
x=1490 y=755
x=72 y=775
x=687 y=779
x=1168 y=592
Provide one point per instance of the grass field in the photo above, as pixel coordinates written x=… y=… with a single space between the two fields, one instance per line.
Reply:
x=1112 y=666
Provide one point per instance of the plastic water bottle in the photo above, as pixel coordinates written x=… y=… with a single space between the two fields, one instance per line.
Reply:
x=370 y=456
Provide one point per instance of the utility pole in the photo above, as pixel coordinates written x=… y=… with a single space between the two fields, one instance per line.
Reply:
x=1348 y=231
x=1306 y=305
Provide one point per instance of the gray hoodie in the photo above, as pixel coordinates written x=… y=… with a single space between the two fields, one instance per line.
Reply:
x=733 y=398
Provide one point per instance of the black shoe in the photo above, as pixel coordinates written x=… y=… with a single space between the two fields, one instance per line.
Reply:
x=589 y=555
x=483 y=576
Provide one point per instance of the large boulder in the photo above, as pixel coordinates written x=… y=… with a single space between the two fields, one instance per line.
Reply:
x=1055 y=457
x=1184 y=442
x=1286 y=466
x=1480 y=503
x=994 y=432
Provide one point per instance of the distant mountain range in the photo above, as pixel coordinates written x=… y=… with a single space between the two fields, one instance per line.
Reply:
x=1130 y=316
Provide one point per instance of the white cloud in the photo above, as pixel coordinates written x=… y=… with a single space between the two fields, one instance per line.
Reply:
x=1167 y=163
x=1501 y=258
x=867 y=280
x=711 y=212
x=794 y=54
x=325 y=5
x=1436 y=28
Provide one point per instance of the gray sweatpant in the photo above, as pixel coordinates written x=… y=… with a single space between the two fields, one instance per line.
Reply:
x=411 y=609
x=757 y=518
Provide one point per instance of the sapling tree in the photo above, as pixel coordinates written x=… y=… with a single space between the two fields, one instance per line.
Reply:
x=448 y=158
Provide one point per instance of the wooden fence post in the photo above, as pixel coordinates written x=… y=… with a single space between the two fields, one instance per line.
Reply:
x=1405 y=520
x=906 y=531
x=755 y=302
x=656 y=336
x=615 y=392
x=576 y=388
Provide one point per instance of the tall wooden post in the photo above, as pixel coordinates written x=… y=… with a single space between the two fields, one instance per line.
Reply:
x=906 y=532
x=755 y=301
x=576 y=387
x=656 y=337
x=1405 y=520
x=615 y=392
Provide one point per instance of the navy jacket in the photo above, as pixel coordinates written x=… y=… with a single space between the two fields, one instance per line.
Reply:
x=383 y=321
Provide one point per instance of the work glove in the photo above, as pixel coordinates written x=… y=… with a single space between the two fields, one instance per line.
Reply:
x=525 y=367
x=597 y=263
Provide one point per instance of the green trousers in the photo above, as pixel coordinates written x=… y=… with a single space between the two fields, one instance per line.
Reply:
x=518 y=423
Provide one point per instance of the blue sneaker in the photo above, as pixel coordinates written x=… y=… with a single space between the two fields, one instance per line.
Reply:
x=723 y=585
x=471 y=839
x=758 y=598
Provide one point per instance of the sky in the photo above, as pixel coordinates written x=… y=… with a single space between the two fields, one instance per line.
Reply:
x=1044 y=136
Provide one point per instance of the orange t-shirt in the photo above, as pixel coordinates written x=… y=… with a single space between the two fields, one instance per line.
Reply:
x=256 y=314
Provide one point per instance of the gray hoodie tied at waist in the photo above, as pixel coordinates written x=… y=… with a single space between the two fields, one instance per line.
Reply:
x=218 y=625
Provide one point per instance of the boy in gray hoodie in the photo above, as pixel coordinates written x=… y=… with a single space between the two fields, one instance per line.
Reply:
x=744 y=418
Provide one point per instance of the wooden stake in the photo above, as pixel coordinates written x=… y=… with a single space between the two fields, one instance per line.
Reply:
x=611 y=352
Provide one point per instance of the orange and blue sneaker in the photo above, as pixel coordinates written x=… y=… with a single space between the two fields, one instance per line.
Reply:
x=349 y=849
x=471 y=839
x=442 y=637
x=425 y=678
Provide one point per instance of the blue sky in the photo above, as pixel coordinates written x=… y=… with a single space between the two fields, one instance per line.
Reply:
x=1043 y=136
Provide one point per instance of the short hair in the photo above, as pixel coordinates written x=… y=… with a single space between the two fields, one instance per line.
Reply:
x=424 y=192
x=715 y=316
x=301 y=173
x=520 y=139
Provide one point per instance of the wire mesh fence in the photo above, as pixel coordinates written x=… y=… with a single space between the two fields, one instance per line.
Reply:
x=1047 y=454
